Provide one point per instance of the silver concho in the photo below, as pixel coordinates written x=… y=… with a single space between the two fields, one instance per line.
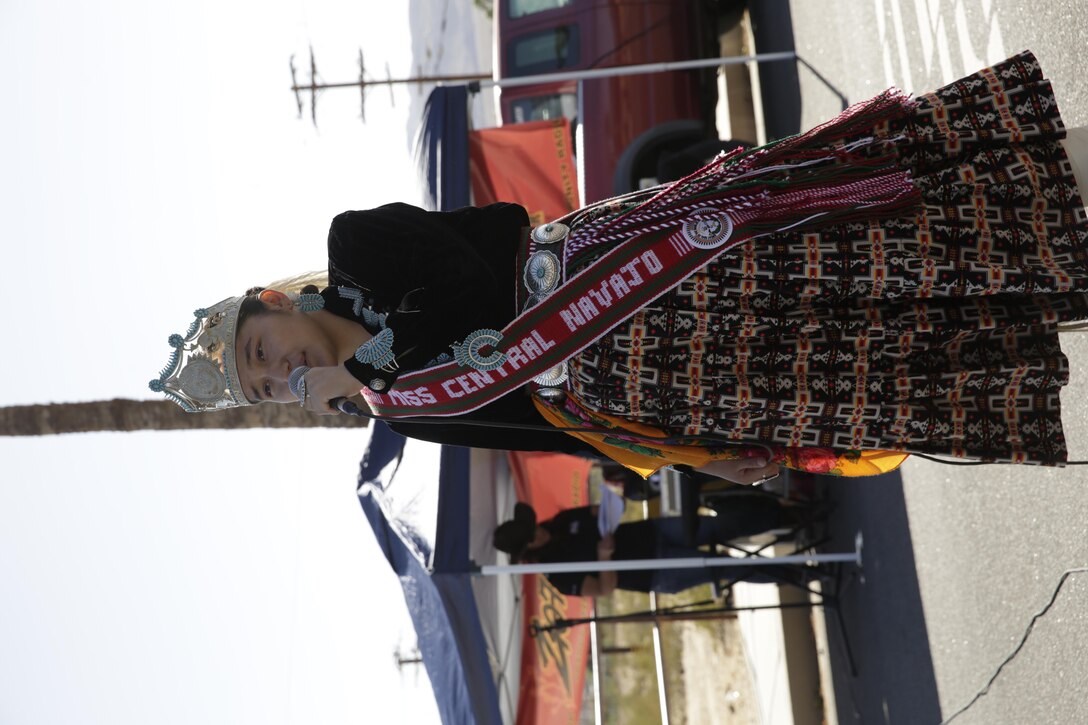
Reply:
x=542 y=272
x=710 y=231
x=469 y=353
x=550 y=233
x=534 y=299
x=551 y=395
x=552 y=376
x=202 y=380
x=377 y=384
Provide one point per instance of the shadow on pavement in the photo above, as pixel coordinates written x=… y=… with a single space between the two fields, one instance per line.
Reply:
x=779 y=81
x=779 y=84
x=880 y=607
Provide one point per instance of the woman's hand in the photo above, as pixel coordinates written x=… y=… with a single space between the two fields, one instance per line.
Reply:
x=324 y=384
x=742 y=470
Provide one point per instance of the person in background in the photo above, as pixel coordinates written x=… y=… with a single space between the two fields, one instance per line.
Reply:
x=574 y=535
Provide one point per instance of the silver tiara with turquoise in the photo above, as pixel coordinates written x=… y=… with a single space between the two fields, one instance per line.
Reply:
x=202 y=373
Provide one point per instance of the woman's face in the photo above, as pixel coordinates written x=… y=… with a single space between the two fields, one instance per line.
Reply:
x=270 y=346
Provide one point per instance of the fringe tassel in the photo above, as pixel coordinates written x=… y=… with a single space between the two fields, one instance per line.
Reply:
x=838 y=171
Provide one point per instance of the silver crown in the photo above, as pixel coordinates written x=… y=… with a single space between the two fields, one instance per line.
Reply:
x=202 y=373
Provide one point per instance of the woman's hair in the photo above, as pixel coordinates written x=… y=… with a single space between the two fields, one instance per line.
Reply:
x=515 y=535
x=251 y=305
x=289 y=285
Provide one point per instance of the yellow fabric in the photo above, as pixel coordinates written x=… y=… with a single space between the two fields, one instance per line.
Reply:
x=870 y=463
x=645 y=457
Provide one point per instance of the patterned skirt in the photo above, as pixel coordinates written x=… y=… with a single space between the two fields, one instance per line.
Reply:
x=933 y=332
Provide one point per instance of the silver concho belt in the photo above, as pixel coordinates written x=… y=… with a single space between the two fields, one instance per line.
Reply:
x=541 y=275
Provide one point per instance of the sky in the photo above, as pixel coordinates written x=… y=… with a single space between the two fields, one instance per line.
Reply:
x=153 y=162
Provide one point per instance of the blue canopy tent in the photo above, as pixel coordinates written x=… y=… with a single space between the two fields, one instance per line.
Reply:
x=442 y=148
x=436 y=583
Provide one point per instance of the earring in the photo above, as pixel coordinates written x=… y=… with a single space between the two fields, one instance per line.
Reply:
x=309 y=302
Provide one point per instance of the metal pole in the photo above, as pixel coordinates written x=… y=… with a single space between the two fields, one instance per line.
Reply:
x=631 y=70
x=689 y=562
x=392 y=81
x=655 y=630
x=595 y=654
x=580 y=145
x=659 y=663
x=486 y=81
x=680 y=616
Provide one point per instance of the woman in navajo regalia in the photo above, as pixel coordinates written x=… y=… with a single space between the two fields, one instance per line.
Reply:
x=890 y=282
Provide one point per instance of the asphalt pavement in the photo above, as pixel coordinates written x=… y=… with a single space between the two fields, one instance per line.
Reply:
x=957 y=561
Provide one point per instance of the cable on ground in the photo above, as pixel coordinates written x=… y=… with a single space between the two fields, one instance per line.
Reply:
x=1053 y=597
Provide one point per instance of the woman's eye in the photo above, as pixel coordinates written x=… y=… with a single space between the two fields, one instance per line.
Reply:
x=267 y=390
x=260 y=351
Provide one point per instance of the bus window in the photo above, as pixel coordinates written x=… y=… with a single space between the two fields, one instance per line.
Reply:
x=546 y=51
x=543 y=108
x=521 y=8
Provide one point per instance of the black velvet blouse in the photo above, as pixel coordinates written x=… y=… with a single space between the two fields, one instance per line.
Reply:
x=438 y=276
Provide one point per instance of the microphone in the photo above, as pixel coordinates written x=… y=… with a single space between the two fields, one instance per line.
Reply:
x=296 y=382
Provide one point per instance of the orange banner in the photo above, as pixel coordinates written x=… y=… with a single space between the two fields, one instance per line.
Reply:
x=553 y=664
x=528 y=163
